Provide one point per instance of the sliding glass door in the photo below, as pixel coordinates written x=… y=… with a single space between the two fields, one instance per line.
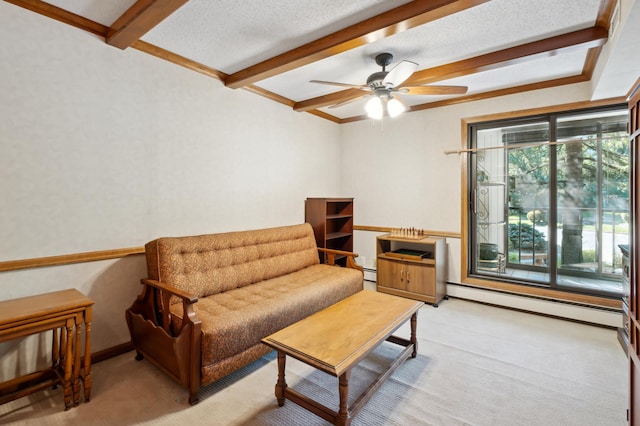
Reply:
x=549 y=200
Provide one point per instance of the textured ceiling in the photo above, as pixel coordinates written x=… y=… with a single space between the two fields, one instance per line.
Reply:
x=239 y=34
x=228 y=36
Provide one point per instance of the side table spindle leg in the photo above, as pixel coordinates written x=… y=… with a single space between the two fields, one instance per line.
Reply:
x=68 y=364
x=55 y=354
x=76 y=359
x=88 y=317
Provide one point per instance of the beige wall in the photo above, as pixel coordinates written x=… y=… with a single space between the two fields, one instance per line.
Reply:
x=102 y=149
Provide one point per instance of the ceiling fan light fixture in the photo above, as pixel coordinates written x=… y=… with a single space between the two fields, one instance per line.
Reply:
x=395 y=107
x=374 y=108
x=383 y=84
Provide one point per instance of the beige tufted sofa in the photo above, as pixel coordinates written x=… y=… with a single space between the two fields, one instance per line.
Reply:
x=247 y=285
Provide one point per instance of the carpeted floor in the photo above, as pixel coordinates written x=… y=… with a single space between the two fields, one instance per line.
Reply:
x=477 y=365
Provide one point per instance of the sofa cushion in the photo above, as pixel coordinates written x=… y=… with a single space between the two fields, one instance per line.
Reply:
x=210 y=264
x=238 y=319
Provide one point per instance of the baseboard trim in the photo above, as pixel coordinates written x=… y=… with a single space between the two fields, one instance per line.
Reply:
x=555 y=308
x=369 y=274
x=111 y=352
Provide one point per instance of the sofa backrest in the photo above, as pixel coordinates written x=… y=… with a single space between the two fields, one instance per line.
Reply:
x=208 y=264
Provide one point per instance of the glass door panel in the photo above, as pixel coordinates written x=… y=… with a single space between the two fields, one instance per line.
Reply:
x=529 y=208
x=489 y=202
x=512 y=201
x=615 y=200
x=528 y=191
x=592 y=186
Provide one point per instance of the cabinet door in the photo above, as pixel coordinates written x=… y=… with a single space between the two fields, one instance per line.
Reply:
x=407 y=276
x=420 y=279
x=388 y=274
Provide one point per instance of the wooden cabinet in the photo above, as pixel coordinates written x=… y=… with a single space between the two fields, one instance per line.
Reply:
x=332 y=222
x=412 y=267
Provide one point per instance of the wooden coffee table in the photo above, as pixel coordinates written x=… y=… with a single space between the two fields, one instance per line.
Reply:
x=335 y=339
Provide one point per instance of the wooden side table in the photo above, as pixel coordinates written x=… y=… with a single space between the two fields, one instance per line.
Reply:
x=65 y=311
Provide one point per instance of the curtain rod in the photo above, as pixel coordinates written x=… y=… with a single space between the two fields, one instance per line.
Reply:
x=525 y=145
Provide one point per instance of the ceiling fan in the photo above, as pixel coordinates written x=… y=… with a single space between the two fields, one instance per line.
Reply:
x=383 y=84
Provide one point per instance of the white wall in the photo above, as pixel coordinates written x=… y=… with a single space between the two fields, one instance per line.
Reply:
x=102 y=149
x=400 y=177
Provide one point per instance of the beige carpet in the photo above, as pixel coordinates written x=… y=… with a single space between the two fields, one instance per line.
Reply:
x=477 y=365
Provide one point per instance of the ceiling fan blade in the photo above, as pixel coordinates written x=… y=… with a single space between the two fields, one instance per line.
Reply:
x=333 y=83
x=400 y=73
x=435 y=90
x=348 y=101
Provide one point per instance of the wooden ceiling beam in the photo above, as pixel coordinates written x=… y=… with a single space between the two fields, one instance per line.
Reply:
x=166 y=55
x=139 y=19
x=269 y=95
x=327 y=100
x=386 y=24
x=582 y=39
x=546 y=84
x=604 y=20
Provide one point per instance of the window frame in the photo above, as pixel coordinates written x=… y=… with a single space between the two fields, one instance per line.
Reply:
x=513 y=286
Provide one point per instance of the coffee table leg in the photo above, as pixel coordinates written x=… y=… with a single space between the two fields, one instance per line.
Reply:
x=281 y=385
x=343 y=391
x=414 y=340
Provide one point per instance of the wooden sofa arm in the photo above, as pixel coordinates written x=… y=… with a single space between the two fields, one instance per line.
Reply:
x=190 y=298
x=351 y=256
x=176 y=352
x=157 y=303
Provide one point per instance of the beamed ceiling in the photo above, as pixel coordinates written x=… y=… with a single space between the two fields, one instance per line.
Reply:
x=274 y=48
